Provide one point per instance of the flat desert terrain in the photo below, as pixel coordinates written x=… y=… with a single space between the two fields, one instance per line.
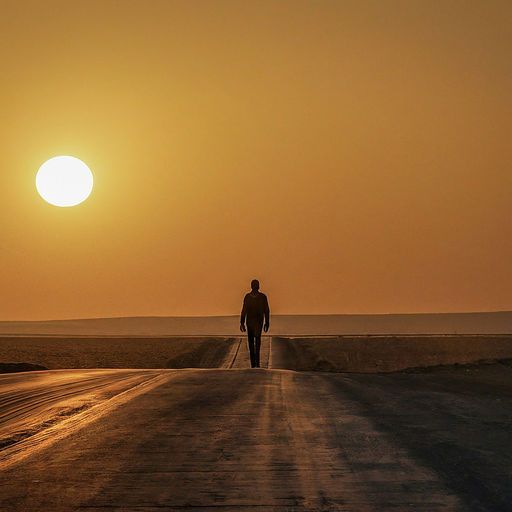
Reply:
x=66 y=352
x=366 y=354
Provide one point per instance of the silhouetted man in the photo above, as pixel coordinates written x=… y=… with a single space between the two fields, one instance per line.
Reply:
x=254 y=311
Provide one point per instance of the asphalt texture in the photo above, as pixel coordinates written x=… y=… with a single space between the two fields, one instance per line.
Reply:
x=265 y=439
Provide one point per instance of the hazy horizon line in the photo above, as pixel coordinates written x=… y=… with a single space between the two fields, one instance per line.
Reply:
x=273 y=315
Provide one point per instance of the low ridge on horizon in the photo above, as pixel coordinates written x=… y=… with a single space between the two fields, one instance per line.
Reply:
x=92 y=318
x=496 y=322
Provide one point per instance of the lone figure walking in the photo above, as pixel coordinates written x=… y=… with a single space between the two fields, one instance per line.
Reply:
x=254 y=310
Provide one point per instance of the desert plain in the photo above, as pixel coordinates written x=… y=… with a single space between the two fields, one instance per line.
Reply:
x=351 y=422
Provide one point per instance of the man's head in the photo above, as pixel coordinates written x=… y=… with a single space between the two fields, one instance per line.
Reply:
x=255 y=285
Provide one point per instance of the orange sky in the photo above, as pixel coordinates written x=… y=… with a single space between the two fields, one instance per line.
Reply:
x=355 y=156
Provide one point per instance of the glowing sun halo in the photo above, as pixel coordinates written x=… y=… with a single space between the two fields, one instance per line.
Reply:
x=64 y=181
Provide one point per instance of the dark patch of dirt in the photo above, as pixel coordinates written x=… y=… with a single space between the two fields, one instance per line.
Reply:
x=487 y=366
x=20 y=367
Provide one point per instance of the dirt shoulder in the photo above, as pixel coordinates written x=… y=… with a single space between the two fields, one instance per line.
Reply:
x=375 y=354
x=114 y=352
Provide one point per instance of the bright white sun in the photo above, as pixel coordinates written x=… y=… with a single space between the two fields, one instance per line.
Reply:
x=64 y=181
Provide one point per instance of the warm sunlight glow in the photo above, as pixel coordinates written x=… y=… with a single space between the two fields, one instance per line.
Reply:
x=64 y=181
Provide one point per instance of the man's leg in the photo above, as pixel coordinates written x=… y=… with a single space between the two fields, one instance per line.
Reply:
x=257 y=345
x=250 y=339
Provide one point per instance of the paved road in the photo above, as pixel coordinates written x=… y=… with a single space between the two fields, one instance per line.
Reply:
x=276 y=440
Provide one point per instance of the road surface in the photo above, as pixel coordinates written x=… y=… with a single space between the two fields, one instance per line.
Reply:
x=255 y=439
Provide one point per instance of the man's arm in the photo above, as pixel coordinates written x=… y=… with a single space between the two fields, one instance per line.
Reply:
x=242 y=317
x=266 y=313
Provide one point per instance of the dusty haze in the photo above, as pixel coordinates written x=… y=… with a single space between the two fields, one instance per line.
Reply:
x=354 y=156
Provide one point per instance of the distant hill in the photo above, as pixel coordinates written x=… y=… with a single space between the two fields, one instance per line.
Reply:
x=428 y=323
